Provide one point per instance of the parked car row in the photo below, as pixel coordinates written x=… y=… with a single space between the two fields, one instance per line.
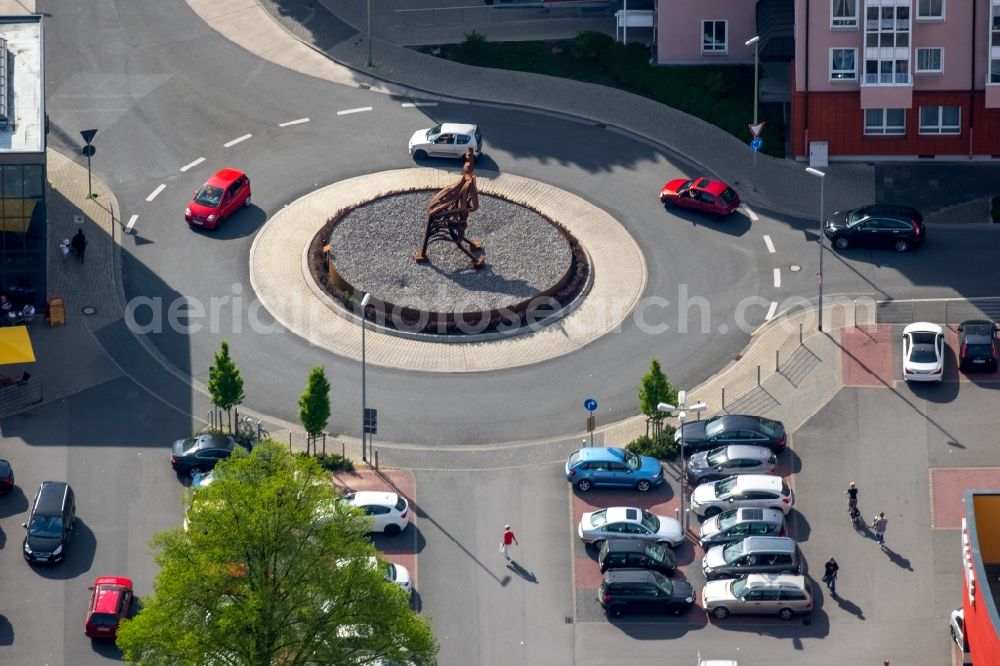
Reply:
x=924 y=345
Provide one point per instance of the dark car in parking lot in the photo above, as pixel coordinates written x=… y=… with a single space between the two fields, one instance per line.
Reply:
x=631 y=591
x=200 y=452
x=6 y=477
x=977 y=344
x=731 y=429
x=880 y=225
x=50 y=525
x=636 y=554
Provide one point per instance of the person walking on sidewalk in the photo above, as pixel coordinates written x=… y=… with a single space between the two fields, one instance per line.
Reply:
x=879 y=523
x=852 y=497
x=79 y=244
x=830 y=575
x=64 y=249
x=508 y=540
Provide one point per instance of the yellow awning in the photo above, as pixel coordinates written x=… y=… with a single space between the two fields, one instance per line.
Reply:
x=15 y=345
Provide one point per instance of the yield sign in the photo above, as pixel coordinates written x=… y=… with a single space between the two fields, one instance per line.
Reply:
x=755 y=129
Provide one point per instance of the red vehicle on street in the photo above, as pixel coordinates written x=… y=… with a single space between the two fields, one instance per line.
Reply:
x=109 y=605
x=224 y=194
x=702 y=194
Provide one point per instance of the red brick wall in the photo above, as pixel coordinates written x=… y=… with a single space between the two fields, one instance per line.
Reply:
x=838 y=119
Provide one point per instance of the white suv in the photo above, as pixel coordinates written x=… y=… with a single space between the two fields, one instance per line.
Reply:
x=389 y=512
x=756 y=490
x=758 y=594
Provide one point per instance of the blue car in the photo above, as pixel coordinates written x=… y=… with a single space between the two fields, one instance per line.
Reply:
x=609 y=466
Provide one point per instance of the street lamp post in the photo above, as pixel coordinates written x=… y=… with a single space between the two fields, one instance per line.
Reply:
x=819 y=276
x=682 y=410
x=755 y=41
x=364 y=397
x=370 y=32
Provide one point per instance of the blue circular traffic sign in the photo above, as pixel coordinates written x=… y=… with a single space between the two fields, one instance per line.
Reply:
x=757 y=143
x=590 y=404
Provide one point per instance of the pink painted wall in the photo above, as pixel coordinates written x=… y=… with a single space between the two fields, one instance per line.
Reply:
x=679 y=26
x=953 y=34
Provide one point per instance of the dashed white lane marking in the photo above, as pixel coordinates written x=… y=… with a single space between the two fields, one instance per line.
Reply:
x=768 y=243
x=236 y=141
x=777 y=278
x=131 y=223
x=152 y=195
x=357 y=110
x=294 y=122
x=413 y=105
x=771 y=310
x=193 y=164
x=750 y=213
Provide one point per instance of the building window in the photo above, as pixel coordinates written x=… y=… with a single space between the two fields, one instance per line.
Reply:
x=885 y=121
x=995 y=42
x=930 y=9
x=844 y=14
x=713 y=37
x=843 y=65
x=940 y=120
x=887 y=42
x=930 y=60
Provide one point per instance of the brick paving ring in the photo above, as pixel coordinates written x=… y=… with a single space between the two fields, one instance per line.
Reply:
x=284 y=267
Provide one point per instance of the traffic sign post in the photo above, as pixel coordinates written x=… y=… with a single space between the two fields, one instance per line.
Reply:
x=88 y=150
x=756 y=144
x=591 y=406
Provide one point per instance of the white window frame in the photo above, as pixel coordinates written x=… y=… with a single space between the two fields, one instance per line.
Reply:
x=939 y=128
x=993 y=39
x=725 y=42
x=897 y=55
x=844 y=22
x=930 y=17
x=916 y=60
x=853 y=78
x=883 y=129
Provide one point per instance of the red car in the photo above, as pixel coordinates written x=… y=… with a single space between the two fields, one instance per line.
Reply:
x=704 y=194
x=220 y=197
x=109 y=605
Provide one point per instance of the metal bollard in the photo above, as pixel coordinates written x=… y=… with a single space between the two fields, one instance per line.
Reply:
x=324 y=443
x=289 y=440
x=376 y=460
x=758 y=374
x=343 y=452
x=800 y=333
x=777 y=361
x=723 y=398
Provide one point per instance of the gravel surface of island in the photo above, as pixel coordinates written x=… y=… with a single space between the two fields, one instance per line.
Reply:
x=373 y=247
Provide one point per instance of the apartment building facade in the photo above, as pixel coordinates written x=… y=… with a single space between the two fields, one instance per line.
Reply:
x=896 y=79
x=870 y=79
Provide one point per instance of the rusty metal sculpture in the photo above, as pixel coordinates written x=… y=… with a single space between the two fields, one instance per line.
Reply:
x=448 y=215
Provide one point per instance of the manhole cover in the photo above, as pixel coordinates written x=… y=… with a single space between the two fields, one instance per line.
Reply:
x=795 y=268
x=89 y=310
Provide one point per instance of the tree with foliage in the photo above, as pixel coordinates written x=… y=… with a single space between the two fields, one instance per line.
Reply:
x=225 y=383
x=314 y=404
x=272 y=570
x=654 y=389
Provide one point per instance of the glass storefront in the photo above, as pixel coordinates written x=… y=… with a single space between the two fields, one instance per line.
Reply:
x=23 y=237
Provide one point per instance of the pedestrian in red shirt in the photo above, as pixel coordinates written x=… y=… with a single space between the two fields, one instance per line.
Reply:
x=508 y=539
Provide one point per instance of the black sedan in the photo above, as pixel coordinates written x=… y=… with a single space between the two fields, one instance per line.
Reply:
x=634 y=591
x=200 y=452
x=731 y=429
x=977 y=344
x=882 y=225
x=6 y=477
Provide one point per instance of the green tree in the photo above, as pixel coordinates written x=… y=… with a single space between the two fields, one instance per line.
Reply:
x=225 y=383
x=654 y=389
x=272 y=570
x=314 y=404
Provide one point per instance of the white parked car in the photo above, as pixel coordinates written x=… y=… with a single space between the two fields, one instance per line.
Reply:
x=446 y=140
x=396 y=574
x=957 y=624
x=389 y=512
x=627 y=522
x=756 y=490
x=923 y=352
x=758 y=594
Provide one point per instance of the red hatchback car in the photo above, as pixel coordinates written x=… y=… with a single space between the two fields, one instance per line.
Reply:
x=109 y=605
x=703 y=194
x=220 y=197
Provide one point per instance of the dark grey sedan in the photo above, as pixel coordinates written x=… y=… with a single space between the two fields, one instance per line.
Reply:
x=200 y=452
x=731 y=429
x=729 y=460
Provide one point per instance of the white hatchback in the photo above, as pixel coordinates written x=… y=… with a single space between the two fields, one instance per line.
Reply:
x=388 y=512
x=446 y=140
